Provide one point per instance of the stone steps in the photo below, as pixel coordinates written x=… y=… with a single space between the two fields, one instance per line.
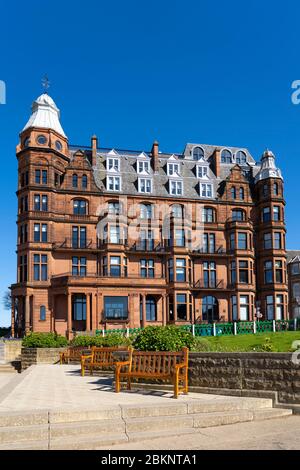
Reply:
x=91 y=429
x=6 y=368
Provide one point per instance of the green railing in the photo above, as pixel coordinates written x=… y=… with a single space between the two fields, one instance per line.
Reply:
x=222 y=329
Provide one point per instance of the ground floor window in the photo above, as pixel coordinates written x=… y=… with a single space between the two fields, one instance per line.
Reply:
x=150 y=309
x=79 y=307
x=270 y=307
x=244 y=307
x=279 y=307
x=116 y=308
x=181 y=307
x=234 y=308
x=210 y=309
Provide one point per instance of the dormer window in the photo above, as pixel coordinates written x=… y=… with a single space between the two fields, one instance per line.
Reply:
x=143 y=167
x=114 y=183
x=241 y=158
x=226 y=156
x=202 y=171
x=145 y=185
x=198 y=153
x=173 y=169
x=206 y=190
x=176 y=188
x=113 y=164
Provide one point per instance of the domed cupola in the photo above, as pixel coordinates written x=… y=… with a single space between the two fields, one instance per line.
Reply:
x=268 y=167
x=45 y=115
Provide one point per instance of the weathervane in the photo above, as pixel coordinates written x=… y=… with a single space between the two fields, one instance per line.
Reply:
x=45 y=83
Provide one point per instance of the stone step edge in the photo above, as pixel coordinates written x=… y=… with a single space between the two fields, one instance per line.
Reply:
x=126 y=411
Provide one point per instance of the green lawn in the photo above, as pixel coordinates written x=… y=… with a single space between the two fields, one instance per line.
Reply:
x=277 y=342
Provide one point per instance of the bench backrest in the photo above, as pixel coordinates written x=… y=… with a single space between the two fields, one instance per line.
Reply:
x=105 y=355
x=157 y=362
x=76 y=351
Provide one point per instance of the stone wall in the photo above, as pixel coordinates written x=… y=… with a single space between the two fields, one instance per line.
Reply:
x=248 y=372
x=10 y=351
x=32 y=356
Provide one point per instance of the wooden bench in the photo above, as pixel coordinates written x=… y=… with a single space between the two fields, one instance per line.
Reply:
x=72 y=354
x=99 y=358
x=167 y=366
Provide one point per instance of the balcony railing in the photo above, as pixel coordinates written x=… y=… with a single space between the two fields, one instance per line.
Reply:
x=220 y=250
x=209 y=284
x=71 y=244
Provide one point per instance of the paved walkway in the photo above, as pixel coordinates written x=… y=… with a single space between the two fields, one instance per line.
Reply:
x=56 y=387
x=275 y=434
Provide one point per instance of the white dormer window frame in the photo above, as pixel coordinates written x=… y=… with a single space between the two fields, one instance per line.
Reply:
x=143 y=166
x=114 y=183
x=176 y=187
x=206 y=190
x=145 y=185
x=113 y=164
x=173 y=169
x=202 y=171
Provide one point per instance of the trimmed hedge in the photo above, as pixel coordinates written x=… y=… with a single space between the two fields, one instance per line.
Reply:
x=110 y=340
x=163 y=338
x=44 y=340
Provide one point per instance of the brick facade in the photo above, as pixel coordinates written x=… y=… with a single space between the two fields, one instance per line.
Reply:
x=222 y=278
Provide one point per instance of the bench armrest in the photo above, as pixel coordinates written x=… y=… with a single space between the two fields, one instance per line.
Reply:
x=181 y=365
x=84 y=357
x=119 y=365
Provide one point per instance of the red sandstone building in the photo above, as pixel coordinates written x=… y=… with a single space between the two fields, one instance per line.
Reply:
x=113 y=238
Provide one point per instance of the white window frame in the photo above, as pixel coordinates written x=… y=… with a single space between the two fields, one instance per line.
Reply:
x=204 y=190
x=202 y=171
x=143 y=166
x=114 y=179
x=176 y=184
x=144 y=182
x=173 y=169
x=113 y=164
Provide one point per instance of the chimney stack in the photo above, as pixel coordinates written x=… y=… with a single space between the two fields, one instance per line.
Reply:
x=94 y=149
x=155 y=153
x=216 y=160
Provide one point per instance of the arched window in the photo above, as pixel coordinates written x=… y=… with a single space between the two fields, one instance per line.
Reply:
x=265 y=190
x=42 y=313
x=226 y=156
x=80 y=207
x=114 y=208
x=208 y=214
x=233 y=192
x=75 y=181
x=242 y=193
x=150 y=308
x=146 y=211
x=177 y=211
x=275 y=189
x=238 y=214
x=84 y=181
x=198 y=153
x=241 y=157
x=210 y=309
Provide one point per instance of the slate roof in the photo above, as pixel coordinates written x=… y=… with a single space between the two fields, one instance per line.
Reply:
x=160 y=188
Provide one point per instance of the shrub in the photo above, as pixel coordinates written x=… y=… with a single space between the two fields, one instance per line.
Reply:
x=267 y=346
x=201 y=345
x=44 y=340
x=163 y=338
x=110 y=340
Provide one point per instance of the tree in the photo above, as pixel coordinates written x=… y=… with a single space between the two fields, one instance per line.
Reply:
x=7 y=300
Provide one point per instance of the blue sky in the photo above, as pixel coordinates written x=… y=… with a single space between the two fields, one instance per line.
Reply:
x=131 y=72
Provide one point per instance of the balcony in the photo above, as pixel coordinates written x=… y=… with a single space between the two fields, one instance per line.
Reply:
x=109 y=280
x=220 y=250
x=69 y=244
x=208 y=284
x=147 y=245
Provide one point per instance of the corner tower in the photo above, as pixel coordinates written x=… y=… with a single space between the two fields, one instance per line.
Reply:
x=42 y=154
x=272 y=287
